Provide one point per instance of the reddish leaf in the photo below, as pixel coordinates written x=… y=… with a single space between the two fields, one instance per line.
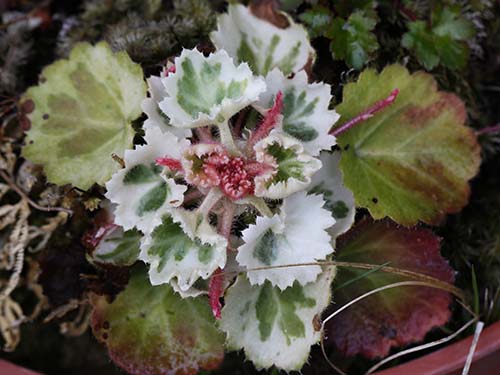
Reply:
x=394 y=317
x=151 y=330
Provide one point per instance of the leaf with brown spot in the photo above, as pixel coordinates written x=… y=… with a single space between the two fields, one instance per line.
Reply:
x=411 y=161
x=394 y=317
x=151 y=330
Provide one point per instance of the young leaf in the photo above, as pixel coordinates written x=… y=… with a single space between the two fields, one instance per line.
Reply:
x=185 y=247
x=118 y=248
x=275 y=327
x=151 y=330
x=394 y=317
x=261 y=44
x=339 y=200
x=297 y=235
x=306 y=115
x=140 y=191
x=83 y=110
x=412 y=160
x=352 y=40
x=208 y=90
x=294 y=166
x=444 y=42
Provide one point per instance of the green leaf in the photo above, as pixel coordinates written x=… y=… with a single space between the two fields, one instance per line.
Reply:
x=394 y=317
x=152 y=330
x=317 y=19
x=275 y=327
x=412 y=160
x=353 y=40
x=444 y=42
x=118 y=248
x=83 y=114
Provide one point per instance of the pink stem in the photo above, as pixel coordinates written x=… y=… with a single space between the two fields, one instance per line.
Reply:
x=215 y=292
x=365 y=115
x=216 y=284
x=204 y=135
x=173 y=164
x=268 y=123
x=489 y=130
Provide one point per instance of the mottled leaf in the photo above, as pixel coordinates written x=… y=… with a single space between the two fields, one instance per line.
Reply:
x=208 y=90
x=150 y=330
x=339 y=200
x=306 y=113
x=412 y=160
x=118 y=248
x=297 y=235
x=262 y=45
x=394 y=317
x=275 y=327
x=184 y=247
x=294 y=166
x=141 y=191
x=83 y=113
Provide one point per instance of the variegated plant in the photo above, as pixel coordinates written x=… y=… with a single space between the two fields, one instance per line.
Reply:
x=240 y=132
x=237 y=191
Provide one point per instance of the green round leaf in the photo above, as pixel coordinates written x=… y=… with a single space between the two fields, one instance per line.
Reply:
x=83 y=113
x=412 y=160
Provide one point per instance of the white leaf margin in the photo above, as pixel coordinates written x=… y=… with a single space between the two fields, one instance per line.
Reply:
x=126 y=197
x=292 y=185
x=240 y=20
x=239 y=322
x=228 y=107
x=301 y=229
x=321 y=119
x=189 y=269
x=330 y=178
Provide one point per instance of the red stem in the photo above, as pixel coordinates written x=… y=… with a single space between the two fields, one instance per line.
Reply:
x=268 y=123
x=366 y=114
x=489 y=130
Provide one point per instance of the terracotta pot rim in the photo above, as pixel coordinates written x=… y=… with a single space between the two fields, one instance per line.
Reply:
x=452 y=357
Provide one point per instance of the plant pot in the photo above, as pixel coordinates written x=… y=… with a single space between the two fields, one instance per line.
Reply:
x=451 y=359
x=7 y=368
x=447 y=361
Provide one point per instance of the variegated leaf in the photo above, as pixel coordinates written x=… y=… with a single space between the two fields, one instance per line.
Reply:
x=294 y=167
x=275 y=327
x=82 y=114
x=306 y=115
x=156 y=117
x=261 y=44
x=118 y=248
x=340 y=200
x=140 y=191
x=185 y=247
x=208 y=90
x=297 y=235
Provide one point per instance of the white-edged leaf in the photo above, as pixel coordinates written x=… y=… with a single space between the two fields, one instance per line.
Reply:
x=184 y=246
x=208 y=90
x=297 y=235
x=140 y=191
x=294 y=167
x=339 y=199
x=305 y=109
x=118 y=248
x=275 y=327
x=156 y=117
x=261 y=44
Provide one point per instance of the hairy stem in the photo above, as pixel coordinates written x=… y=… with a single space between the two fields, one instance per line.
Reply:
x=366 y=114
x=226 y=137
